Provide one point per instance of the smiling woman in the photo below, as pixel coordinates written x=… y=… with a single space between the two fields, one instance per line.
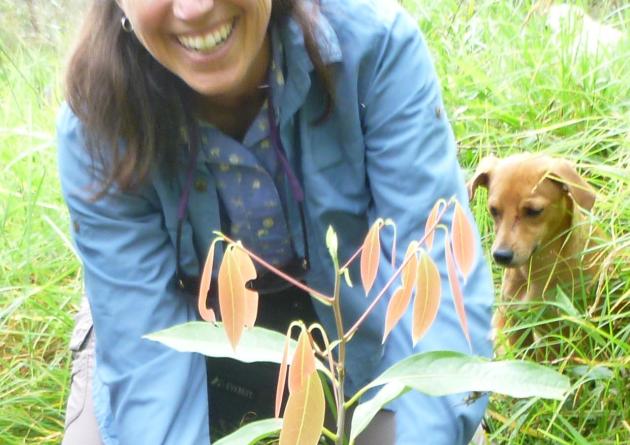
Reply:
x=124 y=81
x=219 y=49
x=268 y=121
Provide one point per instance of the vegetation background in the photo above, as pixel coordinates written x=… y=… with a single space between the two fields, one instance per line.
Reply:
x=508 y=88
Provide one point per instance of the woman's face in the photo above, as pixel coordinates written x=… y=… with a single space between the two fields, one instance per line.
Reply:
x=218 y=47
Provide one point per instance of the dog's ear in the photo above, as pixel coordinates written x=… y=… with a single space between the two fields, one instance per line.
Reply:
x=579 y=190
x=482 y=175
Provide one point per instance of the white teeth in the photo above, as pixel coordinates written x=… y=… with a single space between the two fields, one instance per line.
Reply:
x=208 y=41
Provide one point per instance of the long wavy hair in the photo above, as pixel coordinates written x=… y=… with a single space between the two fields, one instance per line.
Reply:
x=121 y=93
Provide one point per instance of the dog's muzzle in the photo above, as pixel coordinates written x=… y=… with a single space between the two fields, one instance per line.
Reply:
x=503 y=257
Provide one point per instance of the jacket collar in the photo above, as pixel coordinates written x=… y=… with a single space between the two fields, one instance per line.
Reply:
x=298 y=65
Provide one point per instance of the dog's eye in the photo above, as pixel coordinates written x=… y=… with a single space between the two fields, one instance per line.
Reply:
x=494 y=211
x=532 y=212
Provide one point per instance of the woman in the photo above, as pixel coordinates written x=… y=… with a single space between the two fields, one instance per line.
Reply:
x=269 y=121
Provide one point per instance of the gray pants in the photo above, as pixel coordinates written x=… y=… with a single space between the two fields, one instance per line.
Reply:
x=81 y=427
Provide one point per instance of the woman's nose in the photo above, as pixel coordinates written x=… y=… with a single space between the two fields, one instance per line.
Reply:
x=191 y=9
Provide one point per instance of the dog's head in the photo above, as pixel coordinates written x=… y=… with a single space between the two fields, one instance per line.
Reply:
x=532 y=199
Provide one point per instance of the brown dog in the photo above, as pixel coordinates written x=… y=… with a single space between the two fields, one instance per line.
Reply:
x=542 y=237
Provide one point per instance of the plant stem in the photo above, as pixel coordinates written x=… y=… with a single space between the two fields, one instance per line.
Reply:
x=326 y=432
x=341 y=360
x=355 y=398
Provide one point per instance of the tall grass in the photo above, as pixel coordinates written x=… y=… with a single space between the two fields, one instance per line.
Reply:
x=507 y=89
x=39 y=281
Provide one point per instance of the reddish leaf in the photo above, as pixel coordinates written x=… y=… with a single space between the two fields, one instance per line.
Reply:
x=304 y=416
x=463 y=241
x=248 y=272
x=303 y=363
x=429 y=227
x=399 y=301
x=428 y=293
x=408 y=274
x=204 y=287
x=282 y=376
x=370 y=256
x=396 y=308
x=232 y=296
x=458 y=299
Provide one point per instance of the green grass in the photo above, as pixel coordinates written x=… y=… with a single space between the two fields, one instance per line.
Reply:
x=39 y=275
x=507 y=89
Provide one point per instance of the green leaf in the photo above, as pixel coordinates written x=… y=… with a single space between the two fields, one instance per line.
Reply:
x=256 y=345
x=565 y=303
x=332 y=243
x=252 y=433
x=346 y=276
x=365 y=412
x=440 y=373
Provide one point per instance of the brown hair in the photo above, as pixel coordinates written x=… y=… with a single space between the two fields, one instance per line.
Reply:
x=121 y=93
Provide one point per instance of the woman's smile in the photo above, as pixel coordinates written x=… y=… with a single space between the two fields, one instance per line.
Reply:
x=220 y=48
x=209 y=41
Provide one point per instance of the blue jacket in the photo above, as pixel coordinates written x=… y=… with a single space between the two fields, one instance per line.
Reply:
x=387 y=151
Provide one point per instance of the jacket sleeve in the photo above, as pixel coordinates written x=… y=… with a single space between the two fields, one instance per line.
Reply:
x=411 y=163
x=156 y=395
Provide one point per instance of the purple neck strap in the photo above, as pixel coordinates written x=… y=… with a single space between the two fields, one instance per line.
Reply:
x=193 y=151
x=296 y=188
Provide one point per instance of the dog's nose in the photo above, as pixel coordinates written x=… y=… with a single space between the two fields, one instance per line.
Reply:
x=503 y=256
